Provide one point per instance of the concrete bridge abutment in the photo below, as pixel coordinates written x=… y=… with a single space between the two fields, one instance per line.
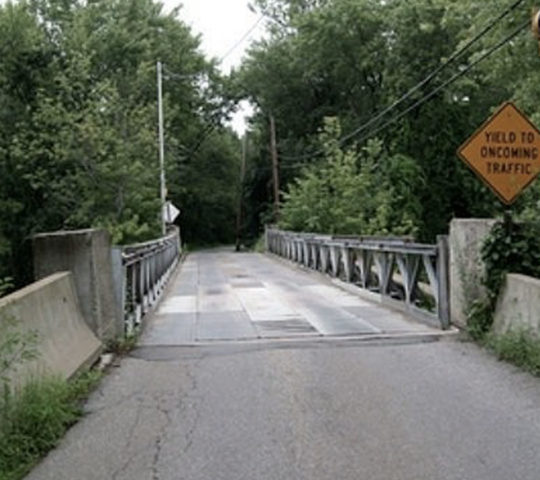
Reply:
x=88 y=255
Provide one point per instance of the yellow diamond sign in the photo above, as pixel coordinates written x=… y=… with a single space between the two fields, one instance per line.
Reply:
x=504 y=152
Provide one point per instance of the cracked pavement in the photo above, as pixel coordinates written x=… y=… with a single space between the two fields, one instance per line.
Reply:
x=308 y=408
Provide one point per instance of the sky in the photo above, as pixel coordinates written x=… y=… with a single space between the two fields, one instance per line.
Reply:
x=222 y=25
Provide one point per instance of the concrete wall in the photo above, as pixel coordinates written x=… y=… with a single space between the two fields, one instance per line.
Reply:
x=466 y=267
x=87 y=254
x=50 y=308
x=518 y=305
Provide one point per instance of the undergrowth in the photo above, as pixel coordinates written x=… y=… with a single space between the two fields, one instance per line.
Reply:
x=511 y=247
x=34 y=418
x=260 y=245
x=521 y=348
x=122 y=346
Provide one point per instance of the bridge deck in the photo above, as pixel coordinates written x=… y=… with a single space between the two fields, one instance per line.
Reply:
x=220 y=295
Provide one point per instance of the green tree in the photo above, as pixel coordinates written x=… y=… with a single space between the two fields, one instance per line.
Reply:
x=348 y=192
x=78 y=144
x=353 y=59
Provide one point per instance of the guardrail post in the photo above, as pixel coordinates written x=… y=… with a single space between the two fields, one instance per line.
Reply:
x=363 y=262
x=334 y=260
x=317 y=255
x=409 y=267
x=133 y=299
x=443 y=283
x=147 y=287
x=323 y=251
x=385 y=263
x=347 y=262
x=305 y=247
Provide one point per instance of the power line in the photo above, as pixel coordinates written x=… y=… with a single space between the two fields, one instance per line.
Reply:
x=427 y=96
x=243 y=38
x=246 y=35
x=450 y=81
x=433 y=74
x=421 y=84
x=430 y=95
x=179 y=76
x=209 y=130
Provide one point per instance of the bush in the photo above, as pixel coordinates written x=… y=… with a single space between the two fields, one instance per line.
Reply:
x=479 y=319
x=511 y=247
x=352 y=192
x=34 y=418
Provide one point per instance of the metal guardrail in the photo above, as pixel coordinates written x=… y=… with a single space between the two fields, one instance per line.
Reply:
x=146 y=268
x=404 y=274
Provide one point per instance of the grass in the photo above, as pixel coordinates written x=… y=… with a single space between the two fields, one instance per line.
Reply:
x=260 y=245
x=122 y=346
x=521 y=348
x=35 y=418
x=479 y=320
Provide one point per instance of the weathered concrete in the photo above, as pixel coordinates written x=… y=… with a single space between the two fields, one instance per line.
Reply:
x=50 y=309
x=518 y=306
x=466 y=266
x=87 y=254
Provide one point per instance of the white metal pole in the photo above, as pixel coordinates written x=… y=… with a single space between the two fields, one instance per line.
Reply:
x=163 y=191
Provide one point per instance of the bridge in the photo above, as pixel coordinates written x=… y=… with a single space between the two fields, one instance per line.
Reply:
x=220 y=295
x=307 y=285
x=324 y=357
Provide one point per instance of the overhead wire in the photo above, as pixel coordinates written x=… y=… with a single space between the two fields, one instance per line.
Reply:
x=489 y=26
x=243 y=38
x=452 y=79
x=178 y=76
x=434 y=92
x=209 y=130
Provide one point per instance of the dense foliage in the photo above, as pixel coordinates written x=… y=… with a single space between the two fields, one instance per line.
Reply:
x=511 y=247
x=78 y=140
x=349 y=192
x=78 y=114
x=352 y=59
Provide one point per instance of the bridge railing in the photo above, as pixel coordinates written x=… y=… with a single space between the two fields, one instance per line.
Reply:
x=146 y=268
x=395 y=270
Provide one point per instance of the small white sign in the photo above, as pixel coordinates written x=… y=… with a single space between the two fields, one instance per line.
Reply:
x=170 y=212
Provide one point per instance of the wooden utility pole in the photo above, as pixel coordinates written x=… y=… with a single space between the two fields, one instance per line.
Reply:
x=241 y=195
x=275 y=166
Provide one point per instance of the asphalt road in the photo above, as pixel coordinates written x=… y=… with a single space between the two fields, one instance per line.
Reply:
x=306 y=405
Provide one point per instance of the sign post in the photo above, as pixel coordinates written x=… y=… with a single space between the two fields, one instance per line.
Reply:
x=504 y=152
